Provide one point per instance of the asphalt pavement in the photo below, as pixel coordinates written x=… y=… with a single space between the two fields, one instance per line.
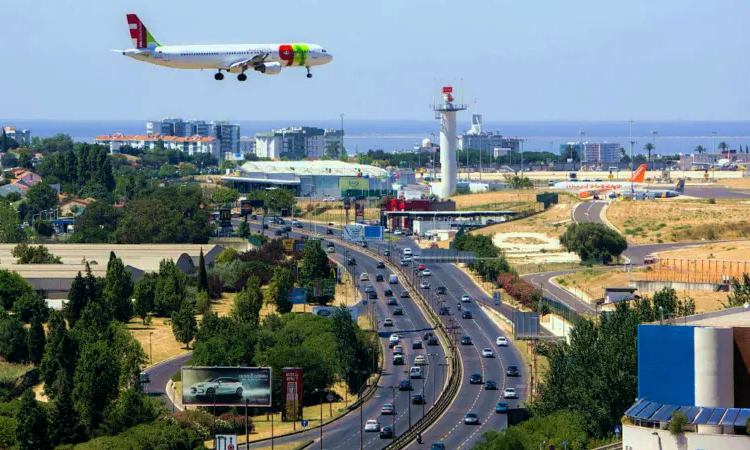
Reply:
x=159 y=375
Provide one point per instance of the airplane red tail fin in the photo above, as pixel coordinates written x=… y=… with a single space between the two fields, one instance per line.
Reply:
x=639 y=175
x=142 y=38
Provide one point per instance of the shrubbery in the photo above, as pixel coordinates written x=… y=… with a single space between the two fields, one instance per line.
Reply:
x=524 y=292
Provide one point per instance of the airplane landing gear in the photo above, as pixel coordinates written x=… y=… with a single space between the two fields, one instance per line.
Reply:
x=242 y=77
x=219 y=76
x=309 y=75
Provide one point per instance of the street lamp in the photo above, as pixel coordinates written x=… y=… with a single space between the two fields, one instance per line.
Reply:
x=581 y=134
x=653 y=137
x=632 y=166
x=713 y=142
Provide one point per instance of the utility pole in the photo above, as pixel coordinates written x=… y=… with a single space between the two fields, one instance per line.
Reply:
x=581 y=151
x=713 y=142
x=653 y=138
x=632 y=165
x=341 y=149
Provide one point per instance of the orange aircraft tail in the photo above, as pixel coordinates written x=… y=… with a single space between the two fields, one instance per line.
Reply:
x=639 y=174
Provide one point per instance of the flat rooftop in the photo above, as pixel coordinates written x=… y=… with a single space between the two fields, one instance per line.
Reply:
x=317 y=167
x=732 y=317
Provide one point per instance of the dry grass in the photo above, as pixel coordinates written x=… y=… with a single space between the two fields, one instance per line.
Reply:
x=486 y=198
x=649 y=222
x=525 y=241
x=551 y=223
x=162 y=341
x=705 y=301
x=524 y=268
x=727 y=251
x=592 y=282
x=736 y=183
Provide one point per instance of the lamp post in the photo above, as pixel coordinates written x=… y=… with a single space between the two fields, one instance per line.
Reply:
x=150 y=352
x=632 y=166
x=581 y=134
x=713 y=142
x=341 y=151
x=653 y=138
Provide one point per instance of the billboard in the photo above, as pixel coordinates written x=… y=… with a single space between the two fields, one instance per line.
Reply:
x=246 y=207
x=354 y=183
x=327 y=311
x=373 y=233
x=291 y=394
x=226 y=386
x=288 y=245
x=353 y=233
x=298 y=296
x=225 y=442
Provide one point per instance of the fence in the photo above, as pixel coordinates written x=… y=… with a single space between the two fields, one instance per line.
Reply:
x=696 y=270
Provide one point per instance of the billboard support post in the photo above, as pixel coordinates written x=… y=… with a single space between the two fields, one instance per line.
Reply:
x=247 y=429
x=271 y=431
x=321 y=422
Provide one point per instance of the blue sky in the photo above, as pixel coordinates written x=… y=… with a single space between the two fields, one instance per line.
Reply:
x=521 y=60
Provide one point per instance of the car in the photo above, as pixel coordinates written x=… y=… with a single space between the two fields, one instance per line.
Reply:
x=437 y=446
x=444 y=311
x=424 y=284
x=475 y=378
x=329 y=199
x=404 y=262
x=218 y=386
x=510 y=393
x=398 y=360
x=392 y=301
x=369 y=288
x=417 y=399
x=393 y=339
x=329 y=231
x=466 y=314
x=407 y=251
x=352 y=262
x=471 y=419
x=427 y=335
x=441 y=290
x=277 y=233
x=404 y=294
x=421 y=267
x=388 y=322
x=416 y=343
x=287 y=229
x=372 y=425
x=331 y=250
x=387 y=409
x=465 y=299
x=380 y=265
x=404 y=385
x=397 y=232
x=379 y=277
x=330 y=244
x=253 y=217
x=398 y=311
x=386 y=432
x=512 y=371
x=372 y=295
x=364 y=245
x=426 y=273
x=490 y=385
x=420 y=360
x=407 y=257
x=393 y=279
x=501 y=407
x=501 y=341
x=465 y=340
x=488 y=353
x=364 y=277
x=388 y=293
x=387 y=253
x=398 y=350
x=416 y=372
x=280 y=221
x=298 y=225
x=432 y=341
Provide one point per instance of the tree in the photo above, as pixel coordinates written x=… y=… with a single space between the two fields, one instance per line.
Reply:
x=64 y=426
x=184 y=324
x=44 y=228
x=167 y=171
x=202 y=274
x=202 y=303
x=203 y=160
x=243 y=230
x=227 y=165
x=665 y=301
x=723 y=146
x=278 y=199
x=740 y=293
x=60 y=353
x=12 y=287
x=624 y=157
x=314 y=268
x=118 y=290
x=554 y=429
x=649 y=148
x=96 y=382
x=10 y=226
x=144 y=293
x=4 y=143
x=32 y=431
x=29 y=305
x=333 y=150
x=13 y=340
x=131 y=409
x=36 y=341
x=77 y=300
x=41 y=197
x=27 y=254
x=170 y=289
x=248 y=303
x=225 y=196
x=9 y=160
x=279 y=288
x=187 y=170
x=700 y=149
x=24 y=160
x=593 y=242
x=98 y=220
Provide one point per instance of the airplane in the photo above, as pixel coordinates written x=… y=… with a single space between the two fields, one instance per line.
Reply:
x=661 y=193
x=267 y=59
x=587 y=188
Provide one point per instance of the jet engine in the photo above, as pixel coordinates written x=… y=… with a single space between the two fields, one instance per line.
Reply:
x=271 y=68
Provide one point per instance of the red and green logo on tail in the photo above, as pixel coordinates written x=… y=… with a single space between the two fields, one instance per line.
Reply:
x=140 y=35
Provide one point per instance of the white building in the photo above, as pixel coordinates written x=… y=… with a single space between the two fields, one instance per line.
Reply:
x=190 y=145
x=268 y=145
x=601 y=152
x=23 y=137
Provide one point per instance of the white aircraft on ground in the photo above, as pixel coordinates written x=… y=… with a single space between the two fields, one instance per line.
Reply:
x=268 y=59
x=587 y=188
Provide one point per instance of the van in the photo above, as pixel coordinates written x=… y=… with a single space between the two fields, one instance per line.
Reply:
x=393 y=279
x=415 y=372
x=407 y=251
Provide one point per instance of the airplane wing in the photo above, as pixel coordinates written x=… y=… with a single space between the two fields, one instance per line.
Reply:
x=251 y=62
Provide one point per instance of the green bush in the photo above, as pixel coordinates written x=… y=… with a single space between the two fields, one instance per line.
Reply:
x=711 y=201
x=677 y=423
x=7 y=431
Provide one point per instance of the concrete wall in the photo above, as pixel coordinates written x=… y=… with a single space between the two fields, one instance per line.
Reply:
x=650 y=286
x=714 y=367
x=557 y=326
x=638 y=438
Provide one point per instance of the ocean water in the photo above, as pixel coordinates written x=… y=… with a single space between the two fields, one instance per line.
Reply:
x=362 y=135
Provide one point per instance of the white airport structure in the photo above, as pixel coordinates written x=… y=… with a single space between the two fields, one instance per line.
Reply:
x=446 y=112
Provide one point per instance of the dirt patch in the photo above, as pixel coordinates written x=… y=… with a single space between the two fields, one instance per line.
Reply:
x=649 y=222
x=504 y=196
x=727 y=251
x=591 y=282
x=735 y=183
x=525 y=241
x=550 y=223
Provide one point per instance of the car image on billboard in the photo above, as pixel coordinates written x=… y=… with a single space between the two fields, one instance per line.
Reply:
x=226 y=386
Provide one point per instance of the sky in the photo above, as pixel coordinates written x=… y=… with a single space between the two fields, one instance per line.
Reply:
x=519 y=60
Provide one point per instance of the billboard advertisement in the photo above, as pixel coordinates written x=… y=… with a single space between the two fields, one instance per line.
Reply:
x=288 y=245
x=226 y=386
x=354 y=183
x=298 y=296
x=291 y=394
x=373 y=233
x=327 y=311
x=353 y=233
x=225 y=442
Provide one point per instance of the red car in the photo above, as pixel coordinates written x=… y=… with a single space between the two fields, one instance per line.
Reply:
x=421 y=267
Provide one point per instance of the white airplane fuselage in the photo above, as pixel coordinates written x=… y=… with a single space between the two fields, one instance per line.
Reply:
x=596 y=185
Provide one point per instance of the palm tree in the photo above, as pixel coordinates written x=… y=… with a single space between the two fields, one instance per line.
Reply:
x=723 y=146
x=649 y=147
x=700 y=149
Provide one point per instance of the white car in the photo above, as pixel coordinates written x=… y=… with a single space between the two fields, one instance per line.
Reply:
x=329 y=199
x=424 y=284
x=372 y=425
x=397 y=232
x=487 y=353
x=331 y=250
x=465 y=299
x=217 y=386
x=426 y=273
x=388 y=323
x=420 y=360
x=510 y=393
x=394 y=339
x=501 y=341
x=364 y=277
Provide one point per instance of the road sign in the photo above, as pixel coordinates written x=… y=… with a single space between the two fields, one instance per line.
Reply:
x=617 y=429
x=329 y=398
x=304 y=423
x=225 y=217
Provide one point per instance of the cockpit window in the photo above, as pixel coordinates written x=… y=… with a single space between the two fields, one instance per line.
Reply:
x=323 y=50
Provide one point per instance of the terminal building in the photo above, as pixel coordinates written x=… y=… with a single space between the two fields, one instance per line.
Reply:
x=699 y=366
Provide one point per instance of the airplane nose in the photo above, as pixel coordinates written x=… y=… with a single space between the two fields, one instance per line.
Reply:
x=329 y=57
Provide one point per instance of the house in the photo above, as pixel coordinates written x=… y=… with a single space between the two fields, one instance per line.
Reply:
x=617 y=294
x=66 y=206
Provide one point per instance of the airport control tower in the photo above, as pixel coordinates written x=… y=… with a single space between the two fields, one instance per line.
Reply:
x=446 y=112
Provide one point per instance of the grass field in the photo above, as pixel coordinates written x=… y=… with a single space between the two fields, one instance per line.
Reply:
x=550 y=223
x=728 y=251
x=9 y=373
x=649 y=222
x=162 y=341
x=735 y=183
x=495 y=197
